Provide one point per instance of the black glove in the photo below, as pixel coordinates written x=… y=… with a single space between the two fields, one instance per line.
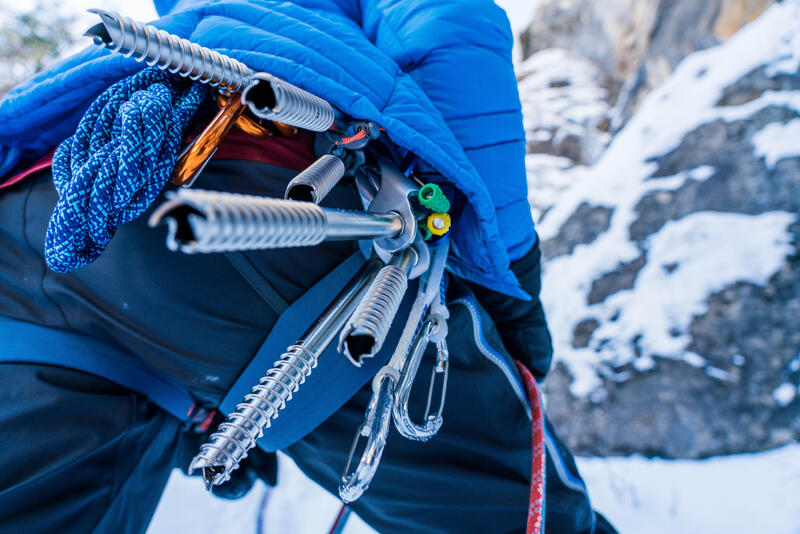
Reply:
x=521 y=324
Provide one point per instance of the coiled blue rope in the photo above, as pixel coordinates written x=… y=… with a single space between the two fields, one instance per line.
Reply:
x=117 y=162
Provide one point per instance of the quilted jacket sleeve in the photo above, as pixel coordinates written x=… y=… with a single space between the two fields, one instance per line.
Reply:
x=459 y=52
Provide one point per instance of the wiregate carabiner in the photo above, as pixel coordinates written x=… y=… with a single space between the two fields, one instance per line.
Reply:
x=433 y=421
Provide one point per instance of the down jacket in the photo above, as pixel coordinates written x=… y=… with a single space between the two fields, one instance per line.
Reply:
x=435 y=74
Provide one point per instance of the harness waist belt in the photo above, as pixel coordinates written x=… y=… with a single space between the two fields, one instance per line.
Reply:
x=331 y=385
x=23 y=342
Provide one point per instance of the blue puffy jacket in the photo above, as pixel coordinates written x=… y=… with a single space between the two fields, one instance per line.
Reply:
x=436 y=74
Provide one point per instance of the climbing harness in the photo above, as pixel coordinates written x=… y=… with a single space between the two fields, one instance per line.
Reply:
x=402 y=232
x=208 y=221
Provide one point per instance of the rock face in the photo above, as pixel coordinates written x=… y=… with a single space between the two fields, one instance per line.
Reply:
x=589 y=65
x=636 y=43
x=672 y=272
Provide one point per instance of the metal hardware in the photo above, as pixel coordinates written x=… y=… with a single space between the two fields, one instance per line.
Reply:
x=253 y=127
x=386 y=383
x=364 y=334
x=211 y=221
x=432 y=421
x=273 y=99
x=395 y=194
x=147 y=43
x=227 y=447
x=375 y=428
x=267 y=97
x=194 y=157
x=314 y=183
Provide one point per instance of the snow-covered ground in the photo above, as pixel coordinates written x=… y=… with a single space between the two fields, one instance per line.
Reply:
x=746 y=493
x=741 y=494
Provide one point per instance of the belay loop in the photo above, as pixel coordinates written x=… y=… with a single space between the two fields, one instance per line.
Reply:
x=117 y=162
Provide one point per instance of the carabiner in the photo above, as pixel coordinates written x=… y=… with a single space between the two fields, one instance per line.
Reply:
x=375 y=429
x=433 y=421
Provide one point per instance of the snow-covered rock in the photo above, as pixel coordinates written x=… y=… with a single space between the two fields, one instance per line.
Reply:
x=672 y=276
x=566 y=111
x=636 y=43
x=565 y=105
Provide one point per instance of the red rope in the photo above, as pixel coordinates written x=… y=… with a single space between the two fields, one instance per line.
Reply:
x=341 y=520
x=536 y=503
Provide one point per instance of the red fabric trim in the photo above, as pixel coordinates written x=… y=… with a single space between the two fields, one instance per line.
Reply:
x=42 y=163
x=294 y=153
x=535 y=523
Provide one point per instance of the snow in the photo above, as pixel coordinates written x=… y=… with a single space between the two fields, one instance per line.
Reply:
x=562 y=95
x=663 y=301
x=726 y=495
x=688 y=100
x=777 y=141
x=710 y=250
x=296 y=506
x=562 y=98
x=520 y=13
x=737 y=494
x=669 y=291
x=548 y=178
x=784 y=394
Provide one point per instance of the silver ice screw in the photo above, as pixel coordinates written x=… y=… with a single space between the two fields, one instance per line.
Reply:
x=314 y=183
x=147 y=43
x=227 y=447
x=267 y=97
x=214 y=221
x=364 y=334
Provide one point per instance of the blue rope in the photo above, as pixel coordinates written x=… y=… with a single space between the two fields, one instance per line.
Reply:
x=117 y=162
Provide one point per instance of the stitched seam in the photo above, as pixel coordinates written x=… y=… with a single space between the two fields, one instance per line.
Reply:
x=489 y=354
x=485 y=114
x=561 y=468
x=267 y=293
x=491 y=145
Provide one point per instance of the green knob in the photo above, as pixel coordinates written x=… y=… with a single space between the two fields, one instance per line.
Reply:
x=432 y=197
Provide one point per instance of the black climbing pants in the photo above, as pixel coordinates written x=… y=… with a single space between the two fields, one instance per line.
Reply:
x=80 y=454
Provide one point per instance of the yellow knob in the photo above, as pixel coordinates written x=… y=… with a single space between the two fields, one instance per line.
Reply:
x=438 y=223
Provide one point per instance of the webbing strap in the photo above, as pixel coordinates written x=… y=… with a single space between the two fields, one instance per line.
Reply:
x=259 y=284
x=23 y=342
x=333 y=382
